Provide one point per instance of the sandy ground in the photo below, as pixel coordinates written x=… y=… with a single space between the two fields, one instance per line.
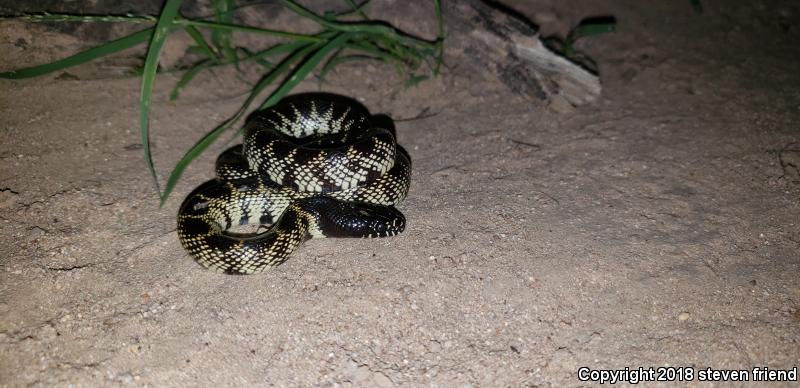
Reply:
x=657 y=227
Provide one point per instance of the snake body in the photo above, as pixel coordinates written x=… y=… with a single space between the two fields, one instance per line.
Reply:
x=309 y=167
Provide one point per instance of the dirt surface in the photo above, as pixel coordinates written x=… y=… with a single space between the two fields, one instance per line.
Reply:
x=657 y=227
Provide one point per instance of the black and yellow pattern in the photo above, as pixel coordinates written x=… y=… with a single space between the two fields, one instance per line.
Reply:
x=309 y=167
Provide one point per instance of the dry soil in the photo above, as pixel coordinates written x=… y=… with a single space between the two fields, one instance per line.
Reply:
x=656 y=227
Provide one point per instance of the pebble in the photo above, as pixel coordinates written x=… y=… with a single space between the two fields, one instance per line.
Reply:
x=362 y=374
x=381 y=380
x=683 y=316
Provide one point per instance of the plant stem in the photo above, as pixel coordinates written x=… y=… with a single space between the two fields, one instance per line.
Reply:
x=48 y=17
x=370 y=28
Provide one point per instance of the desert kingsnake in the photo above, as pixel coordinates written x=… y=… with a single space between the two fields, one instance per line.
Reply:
x=310 y=167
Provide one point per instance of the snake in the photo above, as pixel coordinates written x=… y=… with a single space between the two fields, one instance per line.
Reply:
x=311 y=166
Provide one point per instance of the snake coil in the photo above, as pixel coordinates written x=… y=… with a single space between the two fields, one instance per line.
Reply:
x=311 y=166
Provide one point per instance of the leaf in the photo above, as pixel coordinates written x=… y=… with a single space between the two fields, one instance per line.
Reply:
x=202 y=45
x=248 y=29
x=588 y=27
x=376 y=29
x=82 y=57
x=210 y=137
x=592 y=26
x=339 y=59
x=415 y=80
x=220 y=37
x=375 y=39
x=295 y=77
x=300 y=72
x=165 y=19
x=249 y=55
x=355 y=8
x=440 y=33
x=371 y=48
x=189 y=75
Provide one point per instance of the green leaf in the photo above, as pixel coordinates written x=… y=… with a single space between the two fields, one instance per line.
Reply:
x=377 y=29
x=374 y=40
x=355 y=9
x=82 y=18
x=248 y=29
x=165 y=19
x=202 y=45
x=189 y=75
x=415 y=80
x=278 y=49
x=249 y=55
x=82 y=57
x=588 y=27
x=295 y=77
x=210 y=137
x=299 y=73
x=375 y=50
x=592 y=26
x=440 y=33
x=337 y=60
x=222 y=38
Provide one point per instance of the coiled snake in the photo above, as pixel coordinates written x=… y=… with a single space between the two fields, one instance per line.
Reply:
x=309 y=167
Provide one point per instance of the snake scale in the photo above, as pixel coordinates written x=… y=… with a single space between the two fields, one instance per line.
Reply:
x=311 y=166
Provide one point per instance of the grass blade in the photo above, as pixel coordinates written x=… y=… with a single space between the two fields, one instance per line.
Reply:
x=248 y=29
x=257 y=57
x=364 y=27
x=374 y=39
x=165 y=20
x=210 y=137
x=299 y=73
x=188 y=76
x=222 y=38
x=339 y=59
x=355 y=9
x=592 y=26
x=588 y=27
x=82 y=18
x=202 y=45
x=371 y=48
x=82 y=57
x=249 y=55
x=278 y=49
x=295 y=77
x=413 y=81
x=437 y=5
